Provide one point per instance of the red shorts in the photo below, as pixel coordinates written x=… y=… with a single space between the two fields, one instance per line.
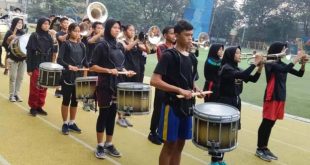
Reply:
x=273 y=110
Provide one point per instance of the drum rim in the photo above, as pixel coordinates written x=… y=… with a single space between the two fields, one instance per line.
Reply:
x=135 y=113
x=200 y=114
x=226 y=119
x=42 y=66
x=144 y=85
x=86 y=78
x=217 y=150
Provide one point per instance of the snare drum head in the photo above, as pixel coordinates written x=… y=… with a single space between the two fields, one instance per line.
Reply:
x=217 y=112
x=51 y=66
x=88 y=78
x=23 y=40
x=133 y=86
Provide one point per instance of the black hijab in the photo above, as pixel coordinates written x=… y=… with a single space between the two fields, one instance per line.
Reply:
x=39 y=29
x=44 y=42
x=19 y=32
x=229 y=56
x=275 y=48
x=213 y=51
x=14 y=23
x=107 y=32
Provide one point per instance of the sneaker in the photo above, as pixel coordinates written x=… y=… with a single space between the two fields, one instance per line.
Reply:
x=58 y=93
x=12 y=99
x=261 y=153
x=214 y=163
x=154 y=138
x=33 y=112
x=122 y=123
x=127 y=122
x=41 y=112
x=75 y=128
x=65 y=129
x=6 y=71
x=18 y=99
x=270 y=154
x=99 y=153
x=111 y=150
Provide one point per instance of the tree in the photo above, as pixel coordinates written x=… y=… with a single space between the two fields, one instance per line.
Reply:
x=225 y=16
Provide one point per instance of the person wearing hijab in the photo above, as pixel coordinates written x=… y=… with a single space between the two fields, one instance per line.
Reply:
x=231 y=84
x=40 y=49
x=275 y=95
x=211 y=69
x=107 y=60
x=17 y=64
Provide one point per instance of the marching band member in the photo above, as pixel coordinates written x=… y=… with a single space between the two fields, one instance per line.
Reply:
x=96 y=36
x=107 y=59
x=275 y=95
x=175 y=74
x=211 y=70
x=16 y=64
x=40 y=49
x=72 y=56
x=231 y=84
x=168 y=33
x=61 y=37
x=133 y=52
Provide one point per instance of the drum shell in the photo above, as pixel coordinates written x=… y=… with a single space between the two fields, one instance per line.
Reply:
x=86 y=87
x=134 y=98
x=50 y=75
x=215 y=133
x=18 y=46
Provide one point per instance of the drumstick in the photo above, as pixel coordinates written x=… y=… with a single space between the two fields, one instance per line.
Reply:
x=83 y=69
x=195 y=94
x=125 y=72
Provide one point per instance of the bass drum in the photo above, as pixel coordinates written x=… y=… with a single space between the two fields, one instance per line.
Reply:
x=3 y=29
x=18 y=45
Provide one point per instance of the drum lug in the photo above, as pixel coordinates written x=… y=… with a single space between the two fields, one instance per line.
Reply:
x=213 y=145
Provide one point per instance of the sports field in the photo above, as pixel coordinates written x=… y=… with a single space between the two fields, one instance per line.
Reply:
x=298 y=89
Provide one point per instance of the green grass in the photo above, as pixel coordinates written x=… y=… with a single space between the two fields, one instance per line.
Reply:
x=298 y=89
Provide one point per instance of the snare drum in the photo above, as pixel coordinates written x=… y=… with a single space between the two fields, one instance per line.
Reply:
x=85 y=87
x=50 y=74
x=133 y=98
x=18 y=45
x=215 y=127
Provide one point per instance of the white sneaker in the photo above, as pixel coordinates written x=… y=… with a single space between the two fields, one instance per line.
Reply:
x=122 y=123
x=18 y=98
x=127 y=122
x=12 y=99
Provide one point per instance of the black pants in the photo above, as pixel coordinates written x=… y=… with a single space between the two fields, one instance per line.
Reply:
x=158 y=101
x=264 y=132
x=68 y=95
x=106 y=120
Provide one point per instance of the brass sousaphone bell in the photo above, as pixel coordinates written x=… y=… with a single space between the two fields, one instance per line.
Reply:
x=97 y=12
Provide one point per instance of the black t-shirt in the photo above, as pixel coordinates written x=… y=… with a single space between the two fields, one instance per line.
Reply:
x=133 y=59
x=91 y=46
x=74 y=54
x=58 y=34
x=172 y=69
